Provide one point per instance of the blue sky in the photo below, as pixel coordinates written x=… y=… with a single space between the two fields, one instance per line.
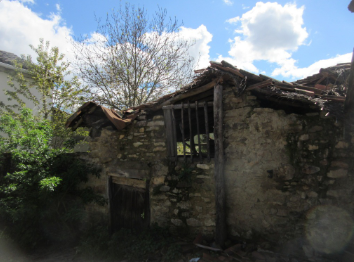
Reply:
x=284 y=39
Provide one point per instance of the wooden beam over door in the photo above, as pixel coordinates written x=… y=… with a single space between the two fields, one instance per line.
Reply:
x=220 y=219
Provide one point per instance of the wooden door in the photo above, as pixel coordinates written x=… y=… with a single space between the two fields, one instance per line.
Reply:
x=129 y=206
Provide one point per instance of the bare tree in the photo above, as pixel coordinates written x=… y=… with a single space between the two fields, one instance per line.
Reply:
x=133 y=58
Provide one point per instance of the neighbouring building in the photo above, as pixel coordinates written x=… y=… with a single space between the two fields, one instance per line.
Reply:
x=262 y=158
x=7 y=68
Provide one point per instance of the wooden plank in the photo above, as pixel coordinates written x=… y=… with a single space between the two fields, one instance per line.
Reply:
x=220 y=231
x=174 y=140
x=334 y=98
x=179 y=106
x=191 y=137
x=129 y=182
x=207 y=128
x=190 y=92
x=287 y=83
x=284 y=87
x=305 y=92
x=312 y=89
x=251 y=76
x=199 y=145
x=269 y=78
x=183 y=141
x=233 y=71
x=265 y=83
x=205 y=96
x=170 y=133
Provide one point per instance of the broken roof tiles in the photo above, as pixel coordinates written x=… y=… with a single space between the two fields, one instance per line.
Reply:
x=325 y=90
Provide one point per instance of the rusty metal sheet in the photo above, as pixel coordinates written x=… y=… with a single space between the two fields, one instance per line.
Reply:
x=118 y=122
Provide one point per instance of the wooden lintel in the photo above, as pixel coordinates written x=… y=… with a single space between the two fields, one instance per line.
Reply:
x=220 y=205
x=129 y=182
x=179 y=106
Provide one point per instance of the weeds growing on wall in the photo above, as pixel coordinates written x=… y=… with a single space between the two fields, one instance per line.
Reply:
x=41 y=198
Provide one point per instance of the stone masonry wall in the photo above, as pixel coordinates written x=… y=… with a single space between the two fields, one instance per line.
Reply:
x=181 y=194
x=288 y=177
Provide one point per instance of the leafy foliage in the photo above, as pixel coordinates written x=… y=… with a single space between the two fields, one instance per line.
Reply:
x=49 y=85
x=50 y=77
x=40 y=195
x=133 y=58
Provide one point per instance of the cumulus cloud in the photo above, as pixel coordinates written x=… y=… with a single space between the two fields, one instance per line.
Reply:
x=291 y=70
x=20 y=27
x=27 y=1
x=200 y=50
x=269 y=31
x=272 y=32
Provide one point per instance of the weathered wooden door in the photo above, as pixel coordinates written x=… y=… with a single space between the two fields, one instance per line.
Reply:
x=129 y=204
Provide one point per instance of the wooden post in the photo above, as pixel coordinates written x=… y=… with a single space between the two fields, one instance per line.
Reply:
x=183 y=141
x=109 y=187
x=349 y=101
x=220 y=219
x=207 y=129
x=191 y=138
x=199 y=145
x=170 y=125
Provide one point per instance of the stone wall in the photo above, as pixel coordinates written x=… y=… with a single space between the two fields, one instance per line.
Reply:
x=181 y=193
x=288 y=176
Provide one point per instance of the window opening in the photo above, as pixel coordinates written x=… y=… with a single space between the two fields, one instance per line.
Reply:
x=190 y=130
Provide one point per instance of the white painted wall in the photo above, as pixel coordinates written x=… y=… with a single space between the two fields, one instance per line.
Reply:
x=5 y=70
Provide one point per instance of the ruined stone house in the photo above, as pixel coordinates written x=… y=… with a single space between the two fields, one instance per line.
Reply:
x=233 y=153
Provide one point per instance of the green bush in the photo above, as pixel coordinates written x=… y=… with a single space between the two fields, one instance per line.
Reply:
x=40 y=197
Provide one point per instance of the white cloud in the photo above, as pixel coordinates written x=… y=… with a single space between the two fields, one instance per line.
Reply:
x=270 y=32
x=57 y=6
x=27 y=27
x=228 y=2
x=27 y=1
x=291 y=70
x=20 y=27
x=200 y=49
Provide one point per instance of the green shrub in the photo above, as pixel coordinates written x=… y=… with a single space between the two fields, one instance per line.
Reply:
x=40 y=198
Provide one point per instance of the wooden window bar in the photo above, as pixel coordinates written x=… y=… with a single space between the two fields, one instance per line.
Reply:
x=191 y=141
x=171 y=128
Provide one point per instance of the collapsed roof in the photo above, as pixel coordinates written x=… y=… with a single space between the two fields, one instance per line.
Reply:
x=325 y=91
